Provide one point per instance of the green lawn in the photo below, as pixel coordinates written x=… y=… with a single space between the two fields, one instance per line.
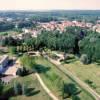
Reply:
x=36 y=92
x=3 y=33
x=86 y=72
x=10 y=32
x=52 y=77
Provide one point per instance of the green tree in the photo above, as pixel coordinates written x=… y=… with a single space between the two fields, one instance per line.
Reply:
x=27 y=62
x=69 y=90
x=90 y=45
x=13 y=50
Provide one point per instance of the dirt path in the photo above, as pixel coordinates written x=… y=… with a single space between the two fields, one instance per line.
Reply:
x=45 y=87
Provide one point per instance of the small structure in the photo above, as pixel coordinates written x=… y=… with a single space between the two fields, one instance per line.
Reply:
x=3 y=61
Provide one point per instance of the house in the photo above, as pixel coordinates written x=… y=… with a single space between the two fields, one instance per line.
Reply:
x=3 y=61
x=98 y=30
x=25 y=30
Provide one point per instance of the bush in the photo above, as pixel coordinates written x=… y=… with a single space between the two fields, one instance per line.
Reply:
x=84 y=59
x=54 y=56
x=90 y=83
x=22 y=71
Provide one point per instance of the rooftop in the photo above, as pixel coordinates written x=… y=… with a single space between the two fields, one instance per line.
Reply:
x=2 y=58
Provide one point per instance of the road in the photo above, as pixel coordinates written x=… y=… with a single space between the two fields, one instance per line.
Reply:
x=75 y=78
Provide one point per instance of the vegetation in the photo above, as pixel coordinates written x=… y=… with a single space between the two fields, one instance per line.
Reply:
x=6 y=26
x=77 y=44
x=20 y=88
x=90 y=46
x=12 y=50
x=74 y=40
x=3 y=33
x=43 y=18
x=27 y=62
x=84 y=59
x=22 y=72
x=86 y=72
x=54 y=78
x=70 y=90
x=91 y=84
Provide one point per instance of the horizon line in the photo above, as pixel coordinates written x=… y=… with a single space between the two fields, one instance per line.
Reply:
x=44 y=10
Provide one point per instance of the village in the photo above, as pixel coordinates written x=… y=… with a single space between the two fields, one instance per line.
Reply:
x=46 y=60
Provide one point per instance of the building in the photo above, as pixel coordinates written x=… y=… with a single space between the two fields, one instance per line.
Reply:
x=3 y=61
x=98 y=30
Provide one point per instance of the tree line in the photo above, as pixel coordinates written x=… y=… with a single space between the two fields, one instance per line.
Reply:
x=74 y=40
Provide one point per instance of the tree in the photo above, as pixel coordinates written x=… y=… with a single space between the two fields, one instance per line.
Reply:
x=13 y=50
x=27 y=62
x=22 y=71
x=69 y=90
x=30 y=43
x=90 y=45
x=10 y=41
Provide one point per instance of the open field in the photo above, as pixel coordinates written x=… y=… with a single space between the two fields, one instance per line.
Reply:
x=36 y=92
x=52 y=77
x=10 y=32
x=88 y=73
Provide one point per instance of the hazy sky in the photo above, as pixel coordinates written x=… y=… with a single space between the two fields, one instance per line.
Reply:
x=48 y=4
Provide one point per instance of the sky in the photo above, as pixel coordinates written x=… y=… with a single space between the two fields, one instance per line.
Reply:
x=49 y=4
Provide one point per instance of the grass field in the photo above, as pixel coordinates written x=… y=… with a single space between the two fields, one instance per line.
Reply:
x=36 y=92
x=49 y=73
x=8 y=32
x=89 y=72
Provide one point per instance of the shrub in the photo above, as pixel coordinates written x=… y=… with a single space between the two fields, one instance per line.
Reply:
x=84 y=59
x=68 y=57
x=90 y=83
x=22 y=71
x=54 y=56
